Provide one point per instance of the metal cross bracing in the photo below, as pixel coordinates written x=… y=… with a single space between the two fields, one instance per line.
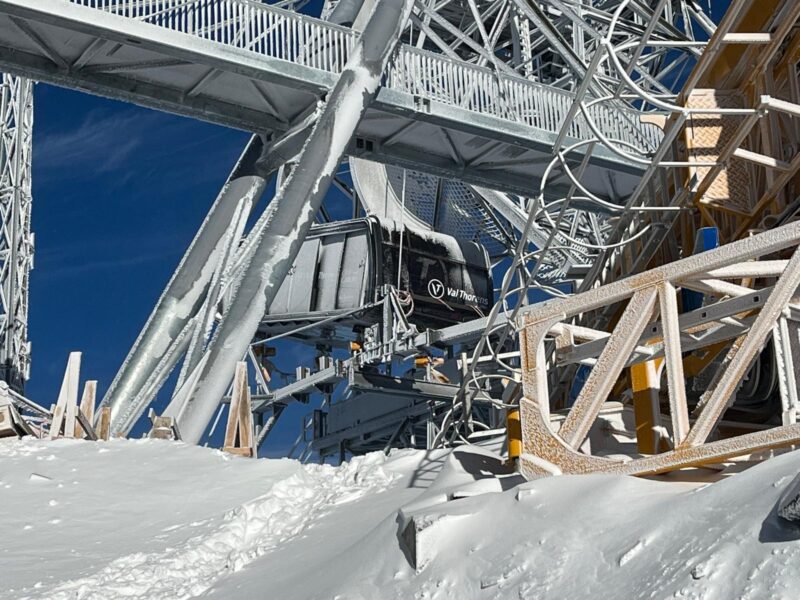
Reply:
x=484 y=91
x=473 y=207
x=621 y=50
x=731 y=180
x=542 y=101
x=747 y=319
x=749 y=147
x=637 y=235
x=313 y=51
x=16 y=239
x=471 y=32
x=692 y=113
x=639 y=36
x=490 y=33
x=247 y=277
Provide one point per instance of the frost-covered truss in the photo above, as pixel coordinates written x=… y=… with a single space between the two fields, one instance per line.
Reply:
x=649 y=328
x=612 y=55
x=568 y=45
x=183 y=317
x=596 y=49
x=726 y=155
x=249 y=65
x=16 y=239
x=283 y=228
x=560 y=104
x=726 y=139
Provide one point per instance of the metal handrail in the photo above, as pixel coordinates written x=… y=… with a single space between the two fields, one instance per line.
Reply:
x=457 y=83
x=260 y=28
x=286 y=35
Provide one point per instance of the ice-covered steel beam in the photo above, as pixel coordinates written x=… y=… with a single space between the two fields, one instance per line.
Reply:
x=16 y=239
x=294 y=209
x=155 y=352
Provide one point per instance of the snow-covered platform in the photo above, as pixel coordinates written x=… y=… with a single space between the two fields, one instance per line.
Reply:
x=154 y=520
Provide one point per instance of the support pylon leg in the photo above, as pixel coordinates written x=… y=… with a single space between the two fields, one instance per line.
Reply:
x=292 y=215
x=154 y=353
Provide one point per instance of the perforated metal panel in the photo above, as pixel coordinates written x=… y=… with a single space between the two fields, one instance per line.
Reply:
x=420 y=192
x=456 y=209
x=447 y=206
x=706 y=137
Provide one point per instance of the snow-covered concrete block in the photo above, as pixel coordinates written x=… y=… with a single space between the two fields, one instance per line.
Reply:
x=422 y=536
x=789 y=503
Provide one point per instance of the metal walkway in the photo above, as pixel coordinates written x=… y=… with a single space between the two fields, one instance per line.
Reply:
x=259 y=68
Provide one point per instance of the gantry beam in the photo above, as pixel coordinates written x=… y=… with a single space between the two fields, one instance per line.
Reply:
x=475 y=125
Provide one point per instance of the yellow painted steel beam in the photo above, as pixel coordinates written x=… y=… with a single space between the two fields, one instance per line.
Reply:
x=514 y=428
x=646 y=405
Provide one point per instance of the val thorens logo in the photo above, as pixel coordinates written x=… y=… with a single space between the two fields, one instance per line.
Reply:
x=436 y=288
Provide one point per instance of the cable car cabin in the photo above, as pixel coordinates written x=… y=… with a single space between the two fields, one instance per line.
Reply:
x=335 y=283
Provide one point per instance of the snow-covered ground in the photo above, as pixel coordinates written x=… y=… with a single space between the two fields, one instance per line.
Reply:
x=155 y=520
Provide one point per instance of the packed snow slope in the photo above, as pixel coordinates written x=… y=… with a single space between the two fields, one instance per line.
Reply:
x=160 y=520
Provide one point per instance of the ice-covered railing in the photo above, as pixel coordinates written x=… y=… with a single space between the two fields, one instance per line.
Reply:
x=479 y=89
x=302 y=40
x=260 y=28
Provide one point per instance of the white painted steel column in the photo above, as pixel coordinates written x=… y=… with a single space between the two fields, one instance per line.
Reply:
x=155 y=351
x=294 y=209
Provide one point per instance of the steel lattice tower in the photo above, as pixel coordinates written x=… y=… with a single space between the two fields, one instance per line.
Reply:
x=16 y=239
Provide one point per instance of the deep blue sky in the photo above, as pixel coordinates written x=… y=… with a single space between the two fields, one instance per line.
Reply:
x=118 y=194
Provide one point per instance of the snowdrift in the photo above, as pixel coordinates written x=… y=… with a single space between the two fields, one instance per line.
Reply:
x=155 y=520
